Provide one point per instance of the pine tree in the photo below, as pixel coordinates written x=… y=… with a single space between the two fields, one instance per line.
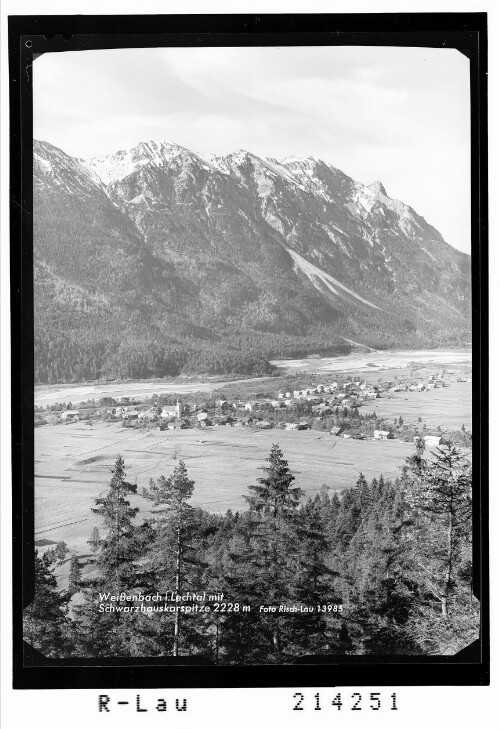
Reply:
x=118 y=550
x=45 y=619
x=274 y=495
x=91 y=631
x=440 y=492
x=384 y=589
x=273 y=502
x=74 y=575
x=174 y=530
x=245 y=637
x=344 y=644
x=348 y=518
x=365 y=492
x=313 y=585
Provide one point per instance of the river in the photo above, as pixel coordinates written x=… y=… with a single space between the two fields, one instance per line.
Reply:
x=375 y=361
x=356 y=361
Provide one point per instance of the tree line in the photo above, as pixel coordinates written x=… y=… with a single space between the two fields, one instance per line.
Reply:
x=383 y=569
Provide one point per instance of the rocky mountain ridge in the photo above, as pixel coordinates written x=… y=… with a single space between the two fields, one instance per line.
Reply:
x=190 y=248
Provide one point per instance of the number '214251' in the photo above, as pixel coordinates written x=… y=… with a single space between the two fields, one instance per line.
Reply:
x=352 y=702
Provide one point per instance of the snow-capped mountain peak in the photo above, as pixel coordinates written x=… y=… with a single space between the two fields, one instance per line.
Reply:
x=156 y=154
x=208 y=244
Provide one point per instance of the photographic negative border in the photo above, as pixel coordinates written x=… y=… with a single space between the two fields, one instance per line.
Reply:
x=30 y=36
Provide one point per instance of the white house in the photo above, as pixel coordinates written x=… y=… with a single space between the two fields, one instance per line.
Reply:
x=70 y=415
x=431 y=441
x=380 y=434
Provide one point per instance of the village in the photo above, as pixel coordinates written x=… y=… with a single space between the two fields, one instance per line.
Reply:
x=329 y=426
x=344 y=408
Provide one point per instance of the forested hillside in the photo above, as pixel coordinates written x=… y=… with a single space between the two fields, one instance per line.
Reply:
x=383 y=570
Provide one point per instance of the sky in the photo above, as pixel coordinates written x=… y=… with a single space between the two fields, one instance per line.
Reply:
x=398 y=115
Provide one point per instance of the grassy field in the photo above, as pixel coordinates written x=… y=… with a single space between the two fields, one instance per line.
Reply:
x=448 y=407
x=72 y=466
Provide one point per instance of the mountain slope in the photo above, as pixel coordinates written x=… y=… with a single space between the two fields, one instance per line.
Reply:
x=183 y=262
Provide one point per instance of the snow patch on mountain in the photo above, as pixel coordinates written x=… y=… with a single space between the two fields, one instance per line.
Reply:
x=263 y=167
x=62 y=170
x=116 y=167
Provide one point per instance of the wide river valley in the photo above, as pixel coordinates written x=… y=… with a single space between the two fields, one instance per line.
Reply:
x=365 y=362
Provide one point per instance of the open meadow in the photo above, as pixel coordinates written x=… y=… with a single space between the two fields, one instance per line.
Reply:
x=73 y=462
x=447 y=407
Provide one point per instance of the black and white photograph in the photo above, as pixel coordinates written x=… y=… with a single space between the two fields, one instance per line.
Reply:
x=253 y=361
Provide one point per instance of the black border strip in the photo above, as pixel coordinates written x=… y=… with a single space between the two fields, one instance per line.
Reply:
x=30 y=36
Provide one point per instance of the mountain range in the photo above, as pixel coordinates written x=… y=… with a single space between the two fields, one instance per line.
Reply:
x=158 y=261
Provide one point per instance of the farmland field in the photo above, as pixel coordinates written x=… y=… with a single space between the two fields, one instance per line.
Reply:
x=73 y=461
x=447 y=407
x=72 y=467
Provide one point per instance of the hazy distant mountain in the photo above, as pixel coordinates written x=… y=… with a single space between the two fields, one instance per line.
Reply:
x=158 y=260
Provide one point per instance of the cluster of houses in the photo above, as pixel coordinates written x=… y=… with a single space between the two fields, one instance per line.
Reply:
x=432 y=382
x=323 y=400
x=331 y=393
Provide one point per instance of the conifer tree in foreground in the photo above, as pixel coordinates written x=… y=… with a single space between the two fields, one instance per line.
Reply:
x=242 y=637
x=170 y=496
x=274 y=539
x=314 y=582
x=440 y=492
x=45 y=619
x=91 y=631
x=380 y=577
x=118 y=550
